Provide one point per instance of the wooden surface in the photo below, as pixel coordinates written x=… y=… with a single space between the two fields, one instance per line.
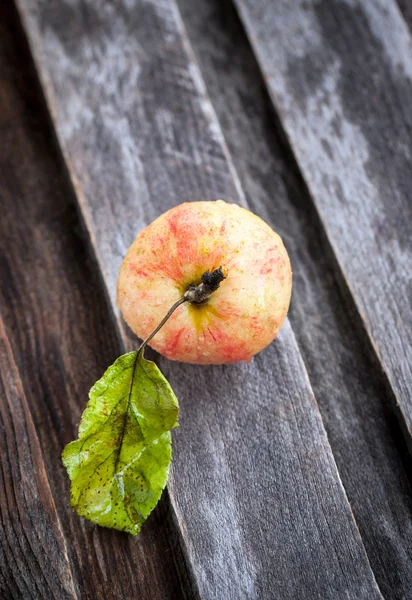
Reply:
x=354 y=401
x=59 y=327
x=243 y=479
x=256 y=505
x=33 y=554
x=353 y=148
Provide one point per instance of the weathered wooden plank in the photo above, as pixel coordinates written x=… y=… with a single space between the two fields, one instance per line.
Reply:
x=254 y=485
x=339 y=73
x=33 y=553
x=348 y=384
x=63 y=337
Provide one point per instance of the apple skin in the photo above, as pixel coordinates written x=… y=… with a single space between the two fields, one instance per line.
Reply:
x=240 y=318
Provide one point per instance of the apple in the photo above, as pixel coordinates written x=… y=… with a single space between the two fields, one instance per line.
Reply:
x=241 y=317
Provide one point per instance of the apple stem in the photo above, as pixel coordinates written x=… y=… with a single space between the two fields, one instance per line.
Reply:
x=196 y=294
x=162 y=322
x=210 y=283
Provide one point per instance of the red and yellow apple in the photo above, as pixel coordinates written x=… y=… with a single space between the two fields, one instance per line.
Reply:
x=241 y=317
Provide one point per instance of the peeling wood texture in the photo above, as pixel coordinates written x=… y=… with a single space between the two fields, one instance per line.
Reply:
x=351 y=391
x=59 y=327
x=340 y=75
x=254 y=486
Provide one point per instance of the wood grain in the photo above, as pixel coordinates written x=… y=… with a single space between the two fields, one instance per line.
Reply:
x=62 y=334
x=348 y=383
x=33 y=553
x=254 y=485
x=340 y=75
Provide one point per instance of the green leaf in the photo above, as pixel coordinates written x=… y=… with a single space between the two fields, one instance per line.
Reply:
x=119 y=465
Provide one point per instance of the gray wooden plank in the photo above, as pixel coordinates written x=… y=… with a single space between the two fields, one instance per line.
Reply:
x=62 y=335
x=349 y=386
x=33 y=551
x=254 y=485
x=340 y=75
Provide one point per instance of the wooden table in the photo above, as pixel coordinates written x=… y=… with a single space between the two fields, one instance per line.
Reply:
x=291 y=475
